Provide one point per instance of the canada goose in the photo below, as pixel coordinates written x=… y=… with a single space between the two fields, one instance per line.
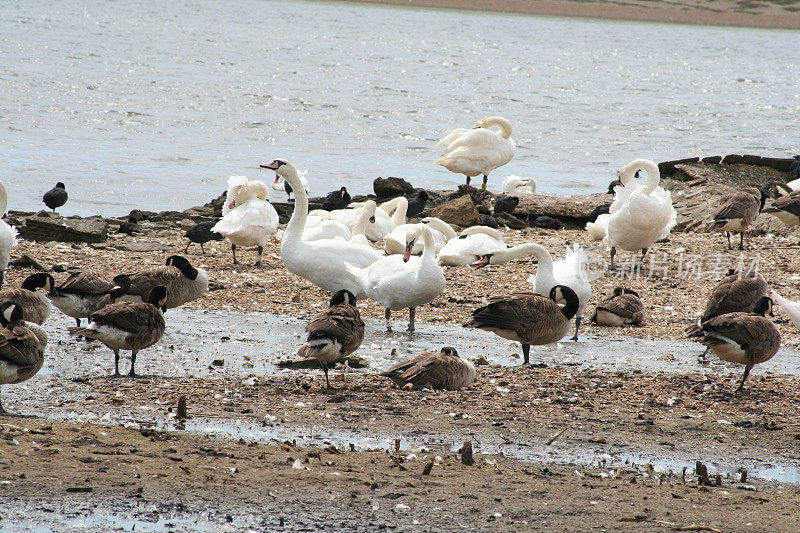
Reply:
x=56 y=197
x=336 y=333
x=738 y=211
x=623 y=307
x=130 y=227
x=85 y=292
x=478 y=150
x=505 y=204
x=403 y=282
x=21 y=351
x=745 y=338
x=35 y=305
x=321 y=262
x=8 y=235
x=335 y=200
x=130 y=326
x=569 y=271
x=417 y=204
x=434 y=370
x=184 y=283
x=201 y=233
x=528 y=318
x=786 y=209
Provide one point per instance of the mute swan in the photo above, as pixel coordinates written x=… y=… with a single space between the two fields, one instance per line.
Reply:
x=570 y=271
x=399 y=282
x=435 y=370
x=21 y=350
x=478 y=150
x=744 y=338
x=335 y=333
x=442 y=232
x=622 y=190
x=519 y=185
x=56 y=197
x=248 y=219
x=528 y=318
x=8 y=235
x=130 y=326
x=321 y=262
x=647 y=216
x=280 y=184
x=379 y=225
x=471 y=245
x=738 y=211
x=396 y=208
x=791 y=308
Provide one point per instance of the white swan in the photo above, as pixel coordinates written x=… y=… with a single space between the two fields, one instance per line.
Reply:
x=442 y=232
x=8 y=235
x=248 y=220
x=622 y=193
x=647 y=216
x=471 y=245
x=478 y=150
x=379 y=225
x=791 y=308
x=519 y=185
x=403 y=281
x=397 y=209
x=320 y=262
x=570 y=271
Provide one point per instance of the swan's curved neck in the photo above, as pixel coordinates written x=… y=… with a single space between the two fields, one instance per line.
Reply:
x=500 y=122
x=525 y=250
x=297 y=223
x=399 y=216
x=653 y=174
x=429 y=248
x=360 y=226
x=486 y=230
x=443 y=227
x=3 y=199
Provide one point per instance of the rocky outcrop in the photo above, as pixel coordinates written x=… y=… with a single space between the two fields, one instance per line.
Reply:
x=36 y=228
x=461 y=212
x=391 y=187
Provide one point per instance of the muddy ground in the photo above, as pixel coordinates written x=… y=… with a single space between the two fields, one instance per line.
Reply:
x=120 y=439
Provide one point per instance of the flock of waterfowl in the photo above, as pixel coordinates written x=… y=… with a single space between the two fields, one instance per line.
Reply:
x=333 y=249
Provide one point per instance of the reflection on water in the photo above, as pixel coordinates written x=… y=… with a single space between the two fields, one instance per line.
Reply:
x=155 y=105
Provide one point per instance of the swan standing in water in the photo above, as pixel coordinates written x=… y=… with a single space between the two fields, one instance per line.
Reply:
x=399 y=282
x=248 y=219
x=8 y=235
x=478 y=150
x=647 y=216
x=321 y=262
x=570 y=271
x=471 y=245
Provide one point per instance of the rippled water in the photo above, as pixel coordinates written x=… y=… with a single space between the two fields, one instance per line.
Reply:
x=155 y=105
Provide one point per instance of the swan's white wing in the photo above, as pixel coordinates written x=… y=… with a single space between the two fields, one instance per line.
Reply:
x=452 y=136
x=467 y=250
x=597 y=229
x=790 y=308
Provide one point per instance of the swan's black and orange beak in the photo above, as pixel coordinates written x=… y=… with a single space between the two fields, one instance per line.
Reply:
x=276 y=177
x=272 y=166
x=372 y=219
x=407 y=253
x=482 y=262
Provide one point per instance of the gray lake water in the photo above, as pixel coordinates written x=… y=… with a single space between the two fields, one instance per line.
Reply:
x=155 y=105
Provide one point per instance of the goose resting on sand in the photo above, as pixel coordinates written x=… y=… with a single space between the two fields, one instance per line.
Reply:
x=21 y=350
x=433 y=370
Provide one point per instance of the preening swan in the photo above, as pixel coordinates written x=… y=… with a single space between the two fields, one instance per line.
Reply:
x=471 y=245
x=478 y=150
x=570 y=271
x=248 y=219
x=518 y=185
x=321 y=262
x=622 y=192
x=395 y=241
x=647 y=216
x=403 y=281
x=8 y=235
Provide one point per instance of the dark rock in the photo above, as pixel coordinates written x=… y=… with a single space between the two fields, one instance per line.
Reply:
x=546 y=222
x=460 y=211
x=509 y=220
x=573 y=211
x=505 y=204
x=200 y=212
x=667 y=168
x=489 y=220
x=713 y=160
x=140 y=215
x=391 y=187
x=479 y=196
x=64 y=229
x=130 y=227
x=599 y=210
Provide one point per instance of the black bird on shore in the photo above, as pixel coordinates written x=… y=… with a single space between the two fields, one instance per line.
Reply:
x=55 y=197
x=794 y=168
x=130 y=227
x=546 y=222
x=201 y=233
x=489 y=220
x=506 y=204
x=417 y=205
x=336 y=200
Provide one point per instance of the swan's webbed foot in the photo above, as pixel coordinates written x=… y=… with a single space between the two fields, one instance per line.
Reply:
x=526 y=354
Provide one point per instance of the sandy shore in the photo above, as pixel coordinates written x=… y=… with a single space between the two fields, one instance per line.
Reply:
x=785 y=15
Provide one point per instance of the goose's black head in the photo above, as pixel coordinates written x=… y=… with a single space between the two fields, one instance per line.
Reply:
x=122 y=283
x=10 y=314
x=764 y=306
x=449 y=351
x=157 y=296
x=183 y=264
x=40 y=280
x=342 y=297
x=618 y=291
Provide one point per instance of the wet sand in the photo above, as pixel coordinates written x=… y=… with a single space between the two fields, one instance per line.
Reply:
x=617 y=417
x=784 y=15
